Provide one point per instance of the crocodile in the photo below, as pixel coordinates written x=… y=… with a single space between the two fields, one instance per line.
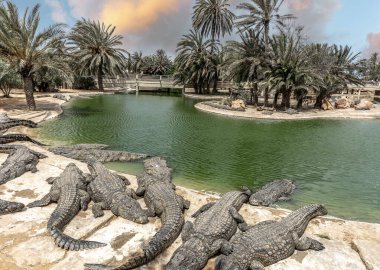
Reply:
x=109 y=192
x=272 y=192
x=85 y=152
x=213 y=227
x=19 y=161
x=7 y=207
x=269 y=242
x=160 y=197
x=7 y=123
x=69 y=190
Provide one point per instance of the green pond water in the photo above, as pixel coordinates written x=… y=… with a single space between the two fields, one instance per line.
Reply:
x=334 y=162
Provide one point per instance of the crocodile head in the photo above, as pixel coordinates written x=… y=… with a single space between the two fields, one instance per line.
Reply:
x=193 y=254
x=158 y=168
x=92 y=166
x=135 y=214
x=128 y=208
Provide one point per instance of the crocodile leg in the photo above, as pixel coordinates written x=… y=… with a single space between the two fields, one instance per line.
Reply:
x=97 y=209
x=184 y=204
x=31 y=167
x=223 y=246
x=124 y=179
x=131 y=193
x=239 y=219
x=51 y=180
x=305 y=243
x=84 y=199
x=204 y=208
x=52 y=196
x=256 y=265
x=187 y=231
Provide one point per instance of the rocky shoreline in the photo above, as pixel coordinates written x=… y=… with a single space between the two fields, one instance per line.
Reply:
x=26 y=244
x=252 y=113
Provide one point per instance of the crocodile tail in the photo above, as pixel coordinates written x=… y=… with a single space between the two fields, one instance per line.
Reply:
x=168 y=233
x=68 y=243
x=9 y=138
x=16 y=123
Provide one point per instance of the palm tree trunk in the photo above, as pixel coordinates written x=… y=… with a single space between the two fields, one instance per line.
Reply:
x=256 y=90
x=318 y=102
x=28 y=89
x=100 y=78
x=299 y=103
x=275 y=99
x=266 y=97
x=285 y=102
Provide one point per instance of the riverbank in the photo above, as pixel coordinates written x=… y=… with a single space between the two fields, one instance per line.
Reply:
x=252 y=113
x=24 y=242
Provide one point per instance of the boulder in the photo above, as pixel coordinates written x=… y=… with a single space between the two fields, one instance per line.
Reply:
x=326 y=105
x=226 y=101
x=369 y=253
x=342 y=103
x=291 y=111
x=364 y=105
x=238 y=104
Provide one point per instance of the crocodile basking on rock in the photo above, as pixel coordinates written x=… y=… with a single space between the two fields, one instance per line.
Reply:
x=109 y=192
x=215 y=224
x=19 y=161
x=272 y=192
x=269 y=242
x=98 y=152
x=7 y=207
x=159 y=195
x=69 y=190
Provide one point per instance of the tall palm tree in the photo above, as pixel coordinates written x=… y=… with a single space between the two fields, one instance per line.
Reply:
x=336 y=65
x=262 y=15
x=137 y=60
x=245 y=61
x=212 y=18
x=194 y=62
x=96 y=48
x=290 y=72
x=26 y=49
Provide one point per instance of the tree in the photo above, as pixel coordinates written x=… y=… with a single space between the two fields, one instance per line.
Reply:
x=95 y=48
x=9 y=79
x=262 y=15
x=245 y=61
x=212 y=18
x=137 y=62
x=194 y=62
x=336 y=65
x=25 y=49
x=290 y=71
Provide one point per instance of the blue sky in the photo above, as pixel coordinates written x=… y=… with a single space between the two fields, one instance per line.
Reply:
x=147 y=25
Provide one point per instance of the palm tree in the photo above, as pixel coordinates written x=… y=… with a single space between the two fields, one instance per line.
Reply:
x=262 y=15
x=290 y=72
x=212 y=18
x=96 y=49
x=194 y=62
x=161 y=63
x=25 y=49
x=245 y=61
x=336 y=65
x=137 y=61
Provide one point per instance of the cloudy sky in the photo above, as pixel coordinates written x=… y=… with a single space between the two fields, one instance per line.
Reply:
x=148 y=25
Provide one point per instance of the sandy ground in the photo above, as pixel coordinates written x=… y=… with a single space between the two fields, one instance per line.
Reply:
x=25 y=243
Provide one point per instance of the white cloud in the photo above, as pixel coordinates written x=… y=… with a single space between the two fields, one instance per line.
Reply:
x=58 y=14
